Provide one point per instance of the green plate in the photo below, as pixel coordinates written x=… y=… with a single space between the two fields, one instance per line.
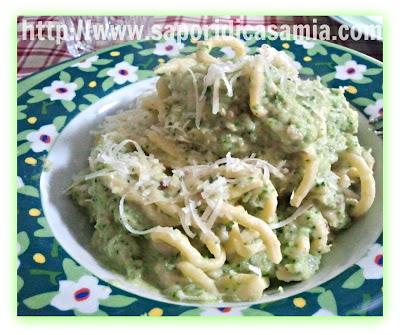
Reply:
x=50 y=280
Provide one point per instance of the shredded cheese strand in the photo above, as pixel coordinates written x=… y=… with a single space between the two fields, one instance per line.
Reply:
x=299 y=211
x=127 y=226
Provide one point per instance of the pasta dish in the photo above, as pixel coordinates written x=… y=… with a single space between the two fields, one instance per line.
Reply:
x=230 y=177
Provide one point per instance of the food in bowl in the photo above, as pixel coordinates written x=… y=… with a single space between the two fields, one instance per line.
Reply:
x=231 y=175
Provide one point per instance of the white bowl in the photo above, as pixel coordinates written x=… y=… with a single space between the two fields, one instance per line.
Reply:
x=69 y=155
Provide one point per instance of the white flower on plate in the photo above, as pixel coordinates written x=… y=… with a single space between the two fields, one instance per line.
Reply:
x=372 y=262
x=83 y=295
x=374 y=110
x=170 y=48
x=350 y=70
x=43 y=138
x=222 y=311
x=323 y=312
x=20 y=182
x=86 y=63
x=60 y=90
x=123 y=72
x=307 y=44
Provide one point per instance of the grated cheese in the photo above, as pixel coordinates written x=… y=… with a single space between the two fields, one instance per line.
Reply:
x=216 y=73
x=255 y=269
x=199 y=108
x=97 y=174
x=127 y=226
x=300 y=211
x=184 y=217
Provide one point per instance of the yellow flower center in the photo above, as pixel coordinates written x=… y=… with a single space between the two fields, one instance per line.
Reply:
x=34 y=212
x=351 y=89
x=299 y=302
x=30 y=161
x=39 y=258
x=156 y=312
x=32 y=120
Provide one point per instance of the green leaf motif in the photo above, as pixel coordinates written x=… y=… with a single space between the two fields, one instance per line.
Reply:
x=327 y=301
x=103 y=72
x=362 y=101
x=251 y=42
x=20 y=115
x=355 y=280
x=312 y=52
x=146 y=52
x=23 y=134
x=99 y=312
x=51 y=274
x=317 y=49
x=40 y=300
x=136 y=45
x=252 y=50
x=54 y=248
x=59 y=122
x=255 y=312
x=117 y=301
x=340 y=60
x=108 y=83
x=143 y=74
x=103 y=61
x=88 y=69
x=373 y=72
x=20 y=283
x=192 y=312
x=79 y=83
x=189 y=49
x=23 y=148
x=65 y=77
x=377 y=95
x=91 y=98
x=328 y=77
x=21 y=108
x=29 y=191
x=322 y=50
x=68 y=105
x=364 y=80
x=37 y=96
x=82 y=107
x=306 y=71
x=23 y=241
x=318 y=289
x=128 y=58
x=45 y=230
x=73 y=271
x=45 y=105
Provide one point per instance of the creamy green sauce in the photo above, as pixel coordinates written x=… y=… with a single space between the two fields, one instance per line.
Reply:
x=300 y=114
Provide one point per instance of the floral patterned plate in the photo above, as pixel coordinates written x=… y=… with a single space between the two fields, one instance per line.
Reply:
x=50 y=282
